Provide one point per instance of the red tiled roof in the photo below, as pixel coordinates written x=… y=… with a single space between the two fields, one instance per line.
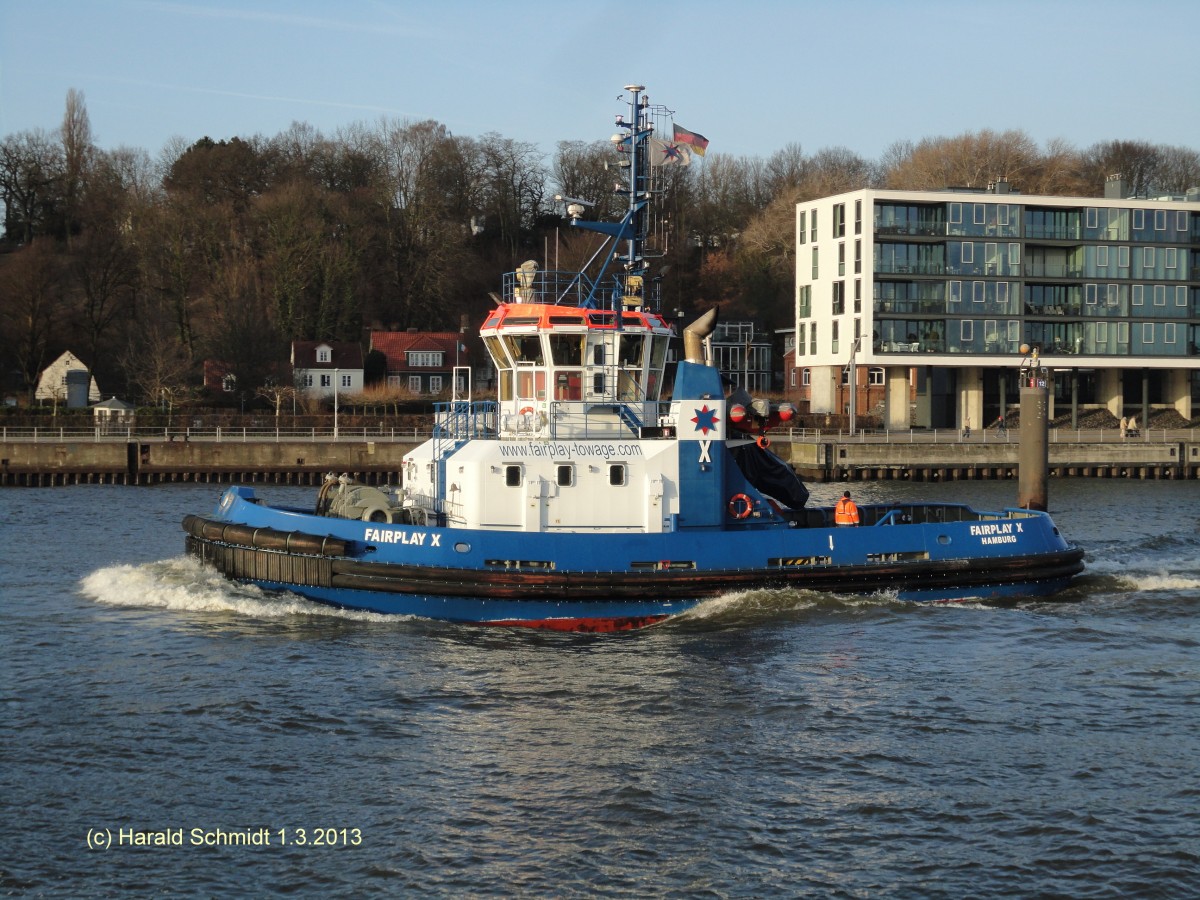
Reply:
x=395 y=345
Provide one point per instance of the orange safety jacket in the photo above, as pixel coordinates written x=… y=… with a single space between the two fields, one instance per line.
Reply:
x=845 y=513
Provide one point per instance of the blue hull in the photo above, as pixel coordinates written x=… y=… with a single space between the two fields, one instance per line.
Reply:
x=615 y=581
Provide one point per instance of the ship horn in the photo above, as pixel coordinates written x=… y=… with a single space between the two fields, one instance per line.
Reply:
x=694 y=335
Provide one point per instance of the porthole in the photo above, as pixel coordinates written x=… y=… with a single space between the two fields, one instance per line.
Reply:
x=462 y=547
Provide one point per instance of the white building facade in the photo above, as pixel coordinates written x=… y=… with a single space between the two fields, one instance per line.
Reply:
x=944 y=287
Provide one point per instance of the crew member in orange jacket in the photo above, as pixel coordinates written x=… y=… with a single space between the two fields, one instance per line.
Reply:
x=846 y=512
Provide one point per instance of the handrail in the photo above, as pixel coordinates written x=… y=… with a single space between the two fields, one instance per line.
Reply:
x=217 y=434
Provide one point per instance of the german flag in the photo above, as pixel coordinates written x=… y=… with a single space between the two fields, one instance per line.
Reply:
x=698 y=142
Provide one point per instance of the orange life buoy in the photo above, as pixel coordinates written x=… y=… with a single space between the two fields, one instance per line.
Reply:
x=740 y=506
x=763 y=442
x=527 y=410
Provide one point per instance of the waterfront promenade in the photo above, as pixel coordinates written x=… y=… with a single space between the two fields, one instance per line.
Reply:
x=54 y=456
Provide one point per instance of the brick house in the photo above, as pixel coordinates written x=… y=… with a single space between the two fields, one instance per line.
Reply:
x=421 y=362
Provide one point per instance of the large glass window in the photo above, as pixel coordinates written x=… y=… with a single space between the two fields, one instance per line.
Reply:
x=1053 y=224
x=921 y=259
x=911 y=296
x=900 y=218
x=524 y=349
x=1060 y=299
x=911 y=335
x=984 y=220
x=567 y=349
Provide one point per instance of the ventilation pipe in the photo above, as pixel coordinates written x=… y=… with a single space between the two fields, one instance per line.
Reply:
x=694 y=335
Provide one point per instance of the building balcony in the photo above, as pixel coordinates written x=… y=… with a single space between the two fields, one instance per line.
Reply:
x=932 y=229
x=1069 y=233
x=931 y=268
x=1052 y=270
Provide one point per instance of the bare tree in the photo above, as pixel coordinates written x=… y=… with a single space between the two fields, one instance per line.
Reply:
x=31 y=283
x=31 y=177
x=156 y=364
x=1179 y=169
x=103 y=262
x=972 y=160
x=513 y=183
x=835 y=170
x=785 y=169
x=1137 y=162
x=1058 y=171
x=587 y=171
x=277 y=394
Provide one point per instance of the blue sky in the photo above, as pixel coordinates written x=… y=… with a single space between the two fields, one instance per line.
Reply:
x=752 y=76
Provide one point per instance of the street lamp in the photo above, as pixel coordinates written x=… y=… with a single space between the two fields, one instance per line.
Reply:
x=335 y=404
x=853 y=371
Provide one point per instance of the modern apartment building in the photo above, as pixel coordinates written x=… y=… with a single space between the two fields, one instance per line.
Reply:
x=742 y=351
x=942 y=288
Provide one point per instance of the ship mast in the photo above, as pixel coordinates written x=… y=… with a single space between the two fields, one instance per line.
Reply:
x=631 y=230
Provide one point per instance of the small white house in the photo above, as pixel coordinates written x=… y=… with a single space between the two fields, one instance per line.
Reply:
x=53 y=382
x=113 y=410
x=320 y=365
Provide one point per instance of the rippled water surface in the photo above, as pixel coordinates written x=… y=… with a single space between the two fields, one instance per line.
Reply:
x=768 y=744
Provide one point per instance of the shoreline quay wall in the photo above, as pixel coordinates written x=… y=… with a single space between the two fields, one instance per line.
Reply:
x=49 y=463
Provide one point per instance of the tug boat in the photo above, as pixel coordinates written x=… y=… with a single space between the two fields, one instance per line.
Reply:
x=596 y=493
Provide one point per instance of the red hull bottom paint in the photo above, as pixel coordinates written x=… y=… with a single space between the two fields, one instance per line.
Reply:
x=591 y=626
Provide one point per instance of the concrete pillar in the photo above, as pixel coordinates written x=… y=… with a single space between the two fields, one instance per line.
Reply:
x=823 y=388
x=1178 y=390
x=897 y=407
x=970 y=397
x=1033 y=449
x=1108 y=389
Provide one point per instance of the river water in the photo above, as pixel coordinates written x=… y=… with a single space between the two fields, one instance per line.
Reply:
x=768 y=744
